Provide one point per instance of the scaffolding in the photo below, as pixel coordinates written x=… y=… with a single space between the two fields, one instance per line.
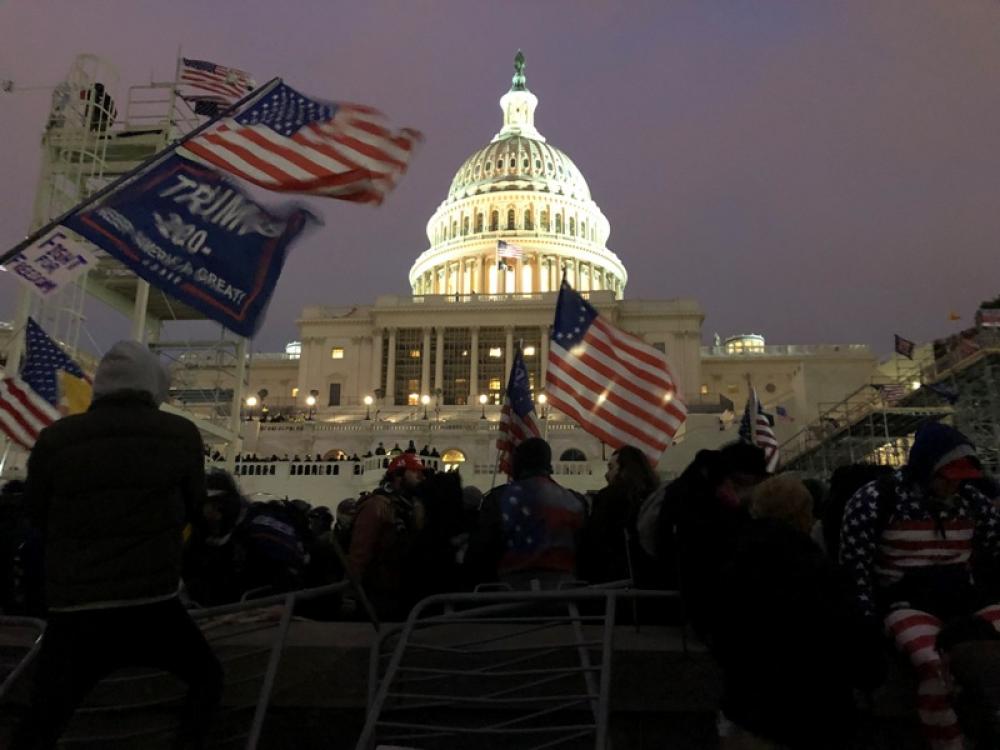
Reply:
x=960 y=385
x=87 y=145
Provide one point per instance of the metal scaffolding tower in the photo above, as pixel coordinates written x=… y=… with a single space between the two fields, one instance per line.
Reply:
x=961 y=385
x=87 y=144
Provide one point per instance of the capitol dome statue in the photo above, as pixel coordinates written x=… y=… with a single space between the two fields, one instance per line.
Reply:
x=526 y=193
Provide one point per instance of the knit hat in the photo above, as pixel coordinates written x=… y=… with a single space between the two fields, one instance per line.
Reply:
x=131 y=366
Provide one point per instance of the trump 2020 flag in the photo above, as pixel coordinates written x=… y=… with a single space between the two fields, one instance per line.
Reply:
x=517 y=416
x=616 y=386
x=199 y=237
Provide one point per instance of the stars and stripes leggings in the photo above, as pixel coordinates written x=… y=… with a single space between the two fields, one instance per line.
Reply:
x=915 y=633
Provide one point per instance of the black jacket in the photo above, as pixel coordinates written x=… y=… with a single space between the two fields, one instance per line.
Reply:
x=111 y=491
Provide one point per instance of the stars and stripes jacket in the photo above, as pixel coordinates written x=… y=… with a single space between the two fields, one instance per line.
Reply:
x=899 y=544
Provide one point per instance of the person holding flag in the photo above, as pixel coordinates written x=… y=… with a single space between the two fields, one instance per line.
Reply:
x=528 y=527
x=757 y=428
x=518 y=420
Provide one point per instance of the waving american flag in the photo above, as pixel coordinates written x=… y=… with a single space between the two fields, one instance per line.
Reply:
x=616 y=386
x=517 y=416
x=292 y=143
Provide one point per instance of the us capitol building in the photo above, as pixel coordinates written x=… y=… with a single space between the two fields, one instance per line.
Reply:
x=431 y=367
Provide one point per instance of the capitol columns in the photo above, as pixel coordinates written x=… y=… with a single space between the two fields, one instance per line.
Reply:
x=425 y=364
x=439 y=361
x=474 y=365
x=509 y=356
x=390 y=370
x=376 y=368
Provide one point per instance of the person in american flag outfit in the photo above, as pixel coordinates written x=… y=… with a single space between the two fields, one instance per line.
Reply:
x=912 y=543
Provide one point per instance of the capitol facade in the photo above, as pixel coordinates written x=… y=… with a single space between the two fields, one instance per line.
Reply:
x=431 y=366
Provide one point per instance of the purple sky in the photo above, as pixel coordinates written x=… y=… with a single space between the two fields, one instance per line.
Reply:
x=817 y=172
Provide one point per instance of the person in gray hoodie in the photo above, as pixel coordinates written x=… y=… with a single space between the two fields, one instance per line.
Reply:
x=111 y=491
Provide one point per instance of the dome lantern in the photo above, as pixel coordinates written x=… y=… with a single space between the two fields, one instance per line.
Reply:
x=518 y=106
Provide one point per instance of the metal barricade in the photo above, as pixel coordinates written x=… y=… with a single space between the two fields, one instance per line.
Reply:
x=20 y=639
x=520 y=670
x=138 y=708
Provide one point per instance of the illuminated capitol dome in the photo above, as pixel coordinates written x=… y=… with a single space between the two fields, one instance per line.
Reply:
x=524 y=191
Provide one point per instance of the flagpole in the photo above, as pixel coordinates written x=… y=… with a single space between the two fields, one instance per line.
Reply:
x=6 y=452
x=752 y=410
x=151 y=162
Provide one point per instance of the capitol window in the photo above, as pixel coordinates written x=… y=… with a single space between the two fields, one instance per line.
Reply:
x=494 y=221
x=479 y=222
x=499 y=163
x=528 y=223
x=496 y=352
x=538 y=164
x=559 y=224
x=526 y=163
x=510 y=219
x=337 y=352
x=513 y=162
x=414 y=354
x=489 y=166
x=572 y=227
x=465 y=225
x=545 y=220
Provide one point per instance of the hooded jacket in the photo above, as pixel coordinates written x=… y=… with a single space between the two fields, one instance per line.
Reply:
x=902 y=545
x=112 y=489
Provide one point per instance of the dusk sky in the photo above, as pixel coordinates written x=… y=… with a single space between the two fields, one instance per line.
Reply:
x=818 y=172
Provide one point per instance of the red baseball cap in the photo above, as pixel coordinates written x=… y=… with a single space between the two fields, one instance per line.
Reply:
x=961 y=468
x=405 y=462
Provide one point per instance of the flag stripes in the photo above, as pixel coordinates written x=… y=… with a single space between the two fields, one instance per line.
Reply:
x=23 y=413
x=613 y=384
x=200 y=80
x=517 y=416
x=290 y=143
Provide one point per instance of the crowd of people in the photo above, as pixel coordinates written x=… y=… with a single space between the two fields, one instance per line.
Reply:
x=798 y=588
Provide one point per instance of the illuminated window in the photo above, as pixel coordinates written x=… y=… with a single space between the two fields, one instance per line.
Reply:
x=529 y=351
x=413 y=399
x=414 y=354
x=295 y=392
x=496 y=351
x=337 y=352
x=452 y=459
x=704 y=389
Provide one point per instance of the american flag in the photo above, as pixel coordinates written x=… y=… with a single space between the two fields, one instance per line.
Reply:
x=761 y=433
x=893 y=392
x=508 y=250
x=291 y=143
x=617 y=387
x=202 y=81
x=517 y=416
x=29 y=403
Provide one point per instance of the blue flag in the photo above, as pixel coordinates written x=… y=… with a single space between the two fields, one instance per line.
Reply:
x=199 y=237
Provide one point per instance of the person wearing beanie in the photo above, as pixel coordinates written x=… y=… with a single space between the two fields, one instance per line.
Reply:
x=912 y=543
x=111 y=491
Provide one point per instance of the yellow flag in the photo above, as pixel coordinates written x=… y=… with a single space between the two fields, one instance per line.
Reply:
x=74 y=393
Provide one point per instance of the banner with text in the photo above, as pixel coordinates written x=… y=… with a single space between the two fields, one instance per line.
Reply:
x=51 y=263
x=199 y=237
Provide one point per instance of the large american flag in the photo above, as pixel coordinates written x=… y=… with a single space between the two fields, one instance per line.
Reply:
x=517 y=416
x=617 y=387
x=761 y=433
x=202 y=81
x=289 y=142
x=29 y=403
x=508 y=250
